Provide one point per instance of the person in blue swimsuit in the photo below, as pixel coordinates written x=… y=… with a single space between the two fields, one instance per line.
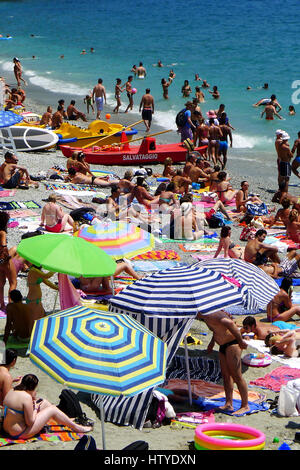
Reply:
x=25 y=415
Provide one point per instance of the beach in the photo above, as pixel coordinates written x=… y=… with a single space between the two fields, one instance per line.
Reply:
x=163 y=438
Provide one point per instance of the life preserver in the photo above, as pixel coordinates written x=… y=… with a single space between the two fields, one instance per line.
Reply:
x=228 y=436
x=257 y=360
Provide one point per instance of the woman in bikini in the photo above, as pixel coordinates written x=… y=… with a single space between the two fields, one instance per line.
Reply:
x=231 y=250
x=186 y=89
x=293 y=226
x=25 y=416
x=224 y=189
x=169 y=171
x=286 y=342
x=281 y=306
x=118 y=91
x=53 y=217
x=7 y=267
x=34 y=295
x=165 y=86
x=142 y=195
x=167 y=200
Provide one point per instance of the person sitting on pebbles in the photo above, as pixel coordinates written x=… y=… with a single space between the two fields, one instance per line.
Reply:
x=13 y=175
x=78 y=178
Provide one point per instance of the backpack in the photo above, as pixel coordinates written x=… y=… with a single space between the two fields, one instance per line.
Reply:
x=86 y=443
x=137 y=445
x=216 y=220
x=70 y=405
x=181 y=118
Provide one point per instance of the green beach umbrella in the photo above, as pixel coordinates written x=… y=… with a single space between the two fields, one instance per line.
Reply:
x=67 y=254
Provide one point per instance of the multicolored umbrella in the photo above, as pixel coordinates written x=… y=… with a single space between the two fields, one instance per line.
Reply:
x=66 y=254
x=118 y=239
x=98 y=352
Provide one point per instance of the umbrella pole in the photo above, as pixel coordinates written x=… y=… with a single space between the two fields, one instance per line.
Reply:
x=102 y=422
x=56 y=296
x=188 y=369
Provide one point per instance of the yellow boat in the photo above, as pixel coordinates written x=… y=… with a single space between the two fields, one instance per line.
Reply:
x=96 y=133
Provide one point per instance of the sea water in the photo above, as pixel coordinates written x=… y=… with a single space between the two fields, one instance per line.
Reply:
x=233 y=45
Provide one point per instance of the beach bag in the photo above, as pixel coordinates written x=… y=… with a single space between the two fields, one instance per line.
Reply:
x=86 y=443
x=137 y=445
x=289 y=399
x=80 y=214
x=248 y=233
x=256 y=209
x=70 y=405
x=181 y=118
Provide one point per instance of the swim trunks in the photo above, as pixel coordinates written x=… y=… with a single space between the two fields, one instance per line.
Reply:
x=223 y=145
x=260 y=259
x=147 y=114
x=223 y=347
x=285 y=169
x=99 y=103
x=13 y=182
x=269 y=118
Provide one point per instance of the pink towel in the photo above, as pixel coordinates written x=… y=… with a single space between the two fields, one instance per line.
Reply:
x=68 y=295
x=276 y=378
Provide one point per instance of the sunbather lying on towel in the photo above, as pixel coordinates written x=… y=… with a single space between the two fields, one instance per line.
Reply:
x=286 y=342
x=78 y=178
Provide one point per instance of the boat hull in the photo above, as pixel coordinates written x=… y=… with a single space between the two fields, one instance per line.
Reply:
x=134 y=155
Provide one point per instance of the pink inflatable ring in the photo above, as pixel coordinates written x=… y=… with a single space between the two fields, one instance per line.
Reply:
x=257 y=360
x=228 y=436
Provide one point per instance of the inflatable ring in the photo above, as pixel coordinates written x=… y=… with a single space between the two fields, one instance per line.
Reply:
x=228 y=436
x=257 y=360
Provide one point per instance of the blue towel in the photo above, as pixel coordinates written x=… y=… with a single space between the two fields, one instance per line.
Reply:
x=208 y=404
x=283 y=325
x=296 y=281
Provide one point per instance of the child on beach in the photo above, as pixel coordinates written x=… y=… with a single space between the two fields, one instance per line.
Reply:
x=228 y=336
x=118 y=91
x=88 y=101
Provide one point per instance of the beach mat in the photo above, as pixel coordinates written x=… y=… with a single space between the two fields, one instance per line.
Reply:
x=71 y=187
x=154 y=265
x=214 y=404
x=13 y=205
x=278 y=377
x=53 y=432
x=7 y=192
x=157 y=255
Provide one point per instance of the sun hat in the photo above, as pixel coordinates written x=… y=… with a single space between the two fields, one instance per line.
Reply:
x=211 y=113
x=279 y=132
x=285 y=136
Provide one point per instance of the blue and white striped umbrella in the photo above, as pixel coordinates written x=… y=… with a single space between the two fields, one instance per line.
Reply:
x=180 y=292
x=260 y=287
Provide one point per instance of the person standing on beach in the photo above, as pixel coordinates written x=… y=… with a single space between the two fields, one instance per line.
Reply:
x=284 y=160
x=128 y=87
x=227 y=335
x=18 y=71
x=147 y=107
x=99 y=97
x=118 y=91
x=186 y=130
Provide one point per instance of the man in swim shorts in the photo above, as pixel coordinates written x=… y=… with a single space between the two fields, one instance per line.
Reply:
x=73 y=113
x=258 y=252
x=99 y=97
x=141 y=71
x=284 y=160
x=147 y=107
x=270 y=112
x=227 y=335
x=13 y=175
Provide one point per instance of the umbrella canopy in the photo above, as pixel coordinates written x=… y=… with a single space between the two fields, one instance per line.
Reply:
x=261 y=288
x=118 y=239
x=8 y=118
x=98 y=352
x=179 y=292
x=65 y=254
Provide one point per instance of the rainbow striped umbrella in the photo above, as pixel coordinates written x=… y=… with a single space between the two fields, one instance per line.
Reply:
x=98 y=352
x=118 y=239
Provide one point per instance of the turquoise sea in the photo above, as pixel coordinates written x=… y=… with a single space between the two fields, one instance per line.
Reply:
x=231 y=44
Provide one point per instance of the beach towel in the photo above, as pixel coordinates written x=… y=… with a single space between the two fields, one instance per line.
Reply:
x=71 y=187
x=7 y=192
x=158 y=255
x=203 y=247
x=203 y=257
x=68 y=295
x=296 y=281
x=13 y=205
x=278 y=377
x=53 y=432
x=154 y=265
x=214 y=403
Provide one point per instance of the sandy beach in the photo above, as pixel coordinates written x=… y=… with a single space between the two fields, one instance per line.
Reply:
x=163 y=438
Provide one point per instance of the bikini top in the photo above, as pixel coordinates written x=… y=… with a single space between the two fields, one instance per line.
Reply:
x=21 y=412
